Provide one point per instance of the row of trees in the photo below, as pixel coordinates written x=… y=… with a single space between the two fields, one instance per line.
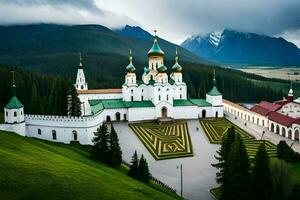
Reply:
x=240 y=179
x=106 y=146
x=39 y=93
x=139 y=168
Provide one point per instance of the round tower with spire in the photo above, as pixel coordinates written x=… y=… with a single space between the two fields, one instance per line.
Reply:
x=214 y=97
x=176 y=74
x=130 y=78
x=290 y=96
x=14 y=110
x=80 y=84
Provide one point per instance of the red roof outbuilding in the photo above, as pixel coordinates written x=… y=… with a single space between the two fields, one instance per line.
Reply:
x=281 y=119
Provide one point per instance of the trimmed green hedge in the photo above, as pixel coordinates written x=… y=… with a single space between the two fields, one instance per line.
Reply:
x=215 y=128
x=165 y=141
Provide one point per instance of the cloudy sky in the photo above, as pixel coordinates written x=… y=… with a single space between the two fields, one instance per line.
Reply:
x=174 y=19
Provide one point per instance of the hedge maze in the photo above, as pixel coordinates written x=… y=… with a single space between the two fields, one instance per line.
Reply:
x=165 y=141
x=216 y=128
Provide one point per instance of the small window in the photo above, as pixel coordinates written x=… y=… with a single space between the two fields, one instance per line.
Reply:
x=54 y=134
x=131 y=91
x=158 y=97
x=142 y=98
x=39 y=131
x=142 y=90
x=74 y=133
x=181 y=96
x=131 y=98
x=15 y=113
x=6 y=113
x=158 y=89
x=167 y=97
x=180 y=89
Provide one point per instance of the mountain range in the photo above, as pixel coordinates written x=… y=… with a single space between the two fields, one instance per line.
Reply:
x=232 y=47
x=52 y=48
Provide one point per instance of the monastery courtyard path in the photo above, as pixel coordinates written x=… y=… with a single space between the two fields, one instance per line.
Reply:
x=198 y=174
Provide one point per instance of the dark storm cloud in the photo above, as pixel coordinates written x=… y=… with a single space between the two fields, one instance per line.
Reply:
x=87 y=4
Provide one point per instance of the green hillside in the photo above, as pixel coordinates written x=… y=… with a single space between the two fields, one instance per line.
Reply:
x=34 y=169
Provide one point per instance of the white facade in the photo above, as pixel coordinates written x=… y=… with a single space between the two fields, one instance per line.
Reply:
x=155 y=96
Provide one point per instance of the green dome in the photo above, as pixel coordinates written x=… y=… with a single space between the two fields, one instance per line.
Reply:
x=155 y=49
x=130 y=68
x=146 y=70
x=214 y=91
x=162 y=69
x=176 y=67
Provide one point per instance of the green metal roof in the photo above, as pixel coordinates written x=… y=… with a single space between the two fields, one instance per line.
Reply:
x=155 y=49
x=101 y=104
x=191 y=102
x=182 y=102
x=200 y=102
x=14 y=103
x=214 y=92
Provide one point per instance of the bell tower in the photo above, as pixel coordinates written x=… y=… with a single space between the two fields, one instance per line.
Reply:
x=80 y=79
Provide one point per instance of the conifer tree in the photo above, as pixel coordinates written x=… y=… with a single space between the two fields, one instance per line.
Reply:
x=227 y=140
x=134 y=167
x=35 y=100
x=295 y=194
x=144 y=175
x=100 y=149
x=237 y=180
x=262 y=179
x=115 y=153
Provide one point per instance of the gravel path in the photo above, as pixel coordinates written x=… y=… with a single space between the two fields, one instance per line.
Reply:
x=198 y=175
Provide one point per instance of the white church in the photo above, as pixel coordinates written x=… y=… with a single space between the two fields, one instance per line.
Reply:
x=157 y=96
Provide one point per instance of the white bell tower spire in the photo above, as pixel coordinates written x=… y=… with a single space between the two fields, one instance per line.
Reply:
x=80 y=79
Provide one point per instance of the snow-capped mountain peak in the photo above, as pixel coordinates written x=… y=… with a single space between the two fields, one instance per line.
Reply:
x=215 y=37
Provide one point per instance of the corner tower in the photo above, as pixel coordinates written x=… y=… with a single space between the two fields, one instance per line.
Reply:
x=290 y=96
x=14 y=110
x=80 y=79
x=214 y=97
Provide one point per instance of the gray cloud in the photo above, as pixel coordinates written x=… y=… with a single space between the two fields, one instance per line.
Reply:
x=175 y=19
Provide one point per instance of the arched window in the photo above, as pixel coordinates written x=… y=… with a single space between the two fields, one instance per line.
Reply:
x=158 y=97
x=142 y=97
x=74 y=134
x=257 y=121
x=180 y=96
x=272 y=127
x=82 y=87
x=6 y=113
x=290 y=134
x=283 y=131
x=39 y=131
x=131 y=91
x=118 y=116
x=203 y=113
x=216 y=114
x=108 y=118
x=296 y=137
x=131 y=98
x=277 y=129
x=167 y=97
x=15 y=114
x=54 y=134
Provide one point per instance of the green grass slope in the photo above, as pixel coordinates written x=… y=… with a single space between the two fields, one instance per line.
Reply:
x=34 y=169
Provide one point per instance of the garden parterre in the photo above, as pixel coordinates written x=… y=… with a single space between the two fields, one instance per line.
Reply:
x=165 y=141
x=216 y=128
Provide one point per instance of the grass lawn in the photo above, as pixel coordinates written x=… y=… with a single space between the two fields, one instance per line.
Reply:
x=35 y=169
x=215 y=128
x=165 y=141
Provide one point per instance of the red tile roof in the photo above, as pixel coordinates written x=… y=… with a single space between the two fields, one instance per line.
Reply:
x=282 y=102
x=269 y=106
x=281 y=119
x=260 y=110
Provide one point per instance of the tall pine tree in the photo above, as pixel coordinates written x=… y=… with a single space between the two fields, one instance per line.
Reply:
x=262 y=179
x=134 y=167
x=144 y=174
x=115 y=153
x=237 y=180
x=100 y=149
x=227 y=140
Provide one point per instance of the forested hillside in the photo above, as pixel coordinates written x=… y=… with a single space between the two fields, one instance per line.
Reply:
x=39 y=93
